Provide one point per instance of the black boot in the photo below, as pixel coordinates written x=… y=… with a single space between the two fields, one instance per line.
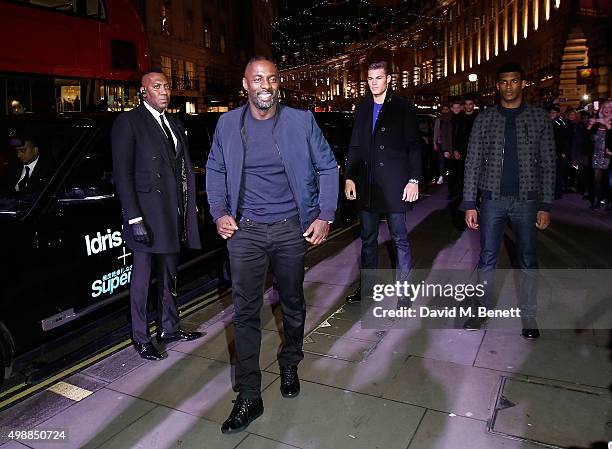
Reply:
x=244 y=412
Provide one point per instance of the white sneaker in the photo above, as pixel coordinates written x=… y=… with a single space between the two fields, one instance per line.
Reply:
x=440 y=180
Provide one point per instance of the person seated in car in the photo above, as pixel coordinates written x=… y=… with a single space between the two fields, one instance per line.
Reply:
x=33 y=171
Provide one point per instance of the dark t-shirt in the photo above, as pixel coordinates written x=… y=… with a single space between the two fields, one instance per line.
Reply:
x=265 y=195
x=510 y=172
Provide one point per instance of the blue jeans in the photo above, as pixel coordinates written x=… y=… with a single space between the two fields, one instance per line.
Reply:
x=369 y=241
x=494 y=215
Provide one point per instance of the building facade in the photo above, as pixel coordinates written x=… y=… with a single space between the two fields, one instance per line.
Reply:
x=453 y=48
x=203 y=45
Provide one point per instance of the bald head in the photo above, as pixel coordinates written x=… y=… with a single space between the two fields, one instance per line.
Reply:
x=155 y=90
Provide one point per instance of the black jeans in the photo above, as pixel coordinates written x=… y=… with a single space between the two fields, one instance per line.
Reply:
x=253 y=248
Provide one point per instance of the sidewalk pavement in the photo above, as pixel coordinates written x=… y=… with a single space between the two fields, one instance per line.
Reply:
x=397 y=387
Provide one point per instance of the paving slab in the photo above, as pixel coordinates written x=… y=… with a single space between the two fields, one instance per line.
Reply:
x=272 y=316
x=257 y=442
x=326 y=295
x=115 y=366
x=547 y=358
x=554 y=414
x=340 y=327
x=195 y=385
x=13 y=445
x=96 y=419
x=218 y=344
x=172 y=429
x=326 y=417
x=343 y=274
x=441 y=431
x=450 y=345
x=349 y=349
x=446 y=387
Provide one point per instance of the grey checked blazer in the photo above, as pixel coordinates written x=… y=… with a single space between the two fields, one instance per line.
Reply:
x=536 y=157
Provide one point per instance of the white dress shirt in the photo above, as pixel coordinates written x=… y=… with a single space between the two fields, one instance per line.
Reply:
x=156 y=115
x=23 y=172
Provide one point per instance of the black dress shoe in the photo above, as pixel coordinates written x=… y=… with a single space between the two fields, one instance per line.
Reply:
x=147 y=351
x=530 y=334
x=244 y=412
x=167 y=337
x=474 y=323
x=290 y=383
x=530 y=329
x=355 y=296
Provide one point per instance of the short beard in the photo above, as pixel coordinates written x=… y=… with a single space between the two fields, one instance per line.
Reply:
x=265 y=105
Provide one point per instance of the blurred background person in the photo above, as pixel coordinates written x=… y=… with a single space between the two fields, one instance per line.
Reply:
x=441 y=138
x=580 y=151
x=601 y=135
x=562 y=140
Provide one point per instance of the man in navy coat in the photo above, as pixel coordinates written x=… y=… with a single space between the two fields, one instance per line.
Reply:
x=156 y=187
x=384 y=169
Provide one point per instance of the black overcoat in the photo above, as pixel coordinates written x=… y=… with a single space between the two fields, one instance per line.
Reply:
x=144 y=169
x=381 y=163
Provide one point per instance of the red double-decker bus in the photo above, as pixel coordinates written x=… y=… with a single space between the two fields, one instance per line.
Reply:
x=70 y=55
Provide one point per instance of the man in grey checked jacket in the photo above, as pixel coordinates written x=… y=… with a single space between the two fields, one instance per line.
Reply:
x=511 y=163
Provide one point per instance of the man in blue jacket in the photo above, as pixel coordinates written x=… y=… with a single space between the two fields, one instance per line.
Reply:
x=272 y=186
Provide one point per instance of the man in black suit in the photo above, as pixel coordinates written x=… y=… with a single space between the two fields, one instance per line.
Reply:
x=384 y=168
x=156 y=186
x=34 y=172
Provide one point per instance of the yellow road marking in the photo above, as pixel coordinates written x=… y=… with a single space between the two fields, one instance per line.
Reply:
x=70 y=391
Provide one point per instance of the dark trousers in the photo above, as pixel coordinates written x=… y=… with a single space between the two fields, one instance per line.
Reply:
x=600 y=185
x=369 y=241
x=584 y=179
x=252 y=249
x=561 y=184
x=167 y=312
x=455 y=177
x=494 y=215
x=441 y=163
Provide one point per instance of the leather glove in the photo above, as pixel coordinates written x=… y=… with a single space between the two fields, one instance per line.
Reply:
x=141 y=233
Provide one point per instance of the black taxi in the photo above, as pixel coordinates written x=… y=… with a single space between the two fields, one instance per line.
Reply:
x=66 y=271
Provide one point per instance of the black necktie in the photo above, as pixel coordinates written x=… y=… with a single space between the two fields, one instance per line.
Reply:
x=167 y=131
x=21 y=185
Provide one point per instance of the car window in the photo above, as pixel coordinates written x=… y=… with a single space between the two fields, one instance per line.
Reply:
x=28 y=141
x=337 y=130
x=92 y=179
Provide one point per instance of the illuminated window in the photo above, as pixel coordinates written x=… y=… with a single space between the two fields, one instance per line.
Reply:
x=166 y=66
x=207 y=33
x=166 y=28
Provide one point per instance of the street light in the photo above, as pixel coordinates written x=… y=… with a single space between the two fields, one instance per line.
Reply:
x=473 y=79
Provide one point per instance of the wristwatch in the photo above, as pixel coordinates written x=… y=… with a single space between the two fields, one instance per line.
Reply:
x=413 y=181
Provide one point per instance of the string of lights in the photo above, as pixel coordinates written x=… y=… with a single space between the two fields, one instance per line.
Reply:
x=333 y=27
